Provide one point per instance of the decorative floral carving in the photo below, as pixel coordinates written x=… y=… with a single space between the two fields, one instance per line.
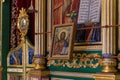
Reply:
x=79 y=61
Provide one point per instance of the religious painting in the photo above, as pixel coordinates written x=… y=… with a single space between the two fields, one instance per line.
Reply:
x=64 y=11
x=60 y=12
x=63 y=36
x=84 y=13
x=16 y=57
x=29 y=54
x=89 y=17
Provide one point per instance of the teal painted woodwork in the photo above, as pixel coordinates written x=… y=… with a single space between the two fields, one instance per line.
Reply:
x=82 y=69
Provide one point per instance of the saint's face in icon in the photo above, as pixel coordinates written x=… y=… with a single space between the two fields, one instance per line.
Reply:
x=62 y=36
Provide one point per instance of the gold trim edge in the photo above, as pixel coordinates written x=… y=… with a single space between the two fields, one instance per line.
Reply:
x=95 y=47
x=72 y=74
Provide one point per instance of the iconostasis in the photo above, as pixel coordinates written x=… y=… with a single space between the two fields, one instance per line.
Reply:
x=75 y=41
x=92 y=37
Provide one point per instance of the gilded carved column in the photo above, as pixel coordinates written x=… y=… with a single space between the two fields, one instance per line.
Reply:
x=40 y=26
x=109 y=42
x=49 y=23
x=39 y=72
x=109 y=35
x=119 y=26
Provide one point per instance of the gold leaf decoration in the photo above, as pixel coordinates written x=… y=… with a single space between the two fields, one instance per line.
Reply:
x=79 y=61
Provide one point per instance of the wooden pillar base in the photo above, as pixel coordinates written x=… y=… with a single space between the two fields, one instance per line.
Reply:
x=39 y=74
x=1 y=73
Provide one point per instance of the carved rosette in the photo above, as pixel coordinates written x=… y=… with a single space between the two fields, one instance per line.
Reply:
x=109 y=65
